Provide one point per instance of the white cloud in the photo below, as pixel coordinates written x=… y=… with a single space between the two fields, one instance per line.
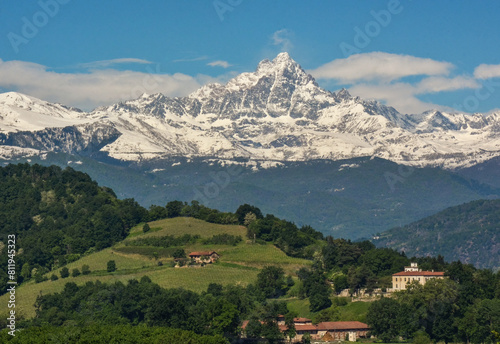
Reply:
x=219 y=63
x=379 y=66
x=377 y=75
x=107 y=63
x=98 y=87
x=439 y=84
x=282 y=39
x=485 y=71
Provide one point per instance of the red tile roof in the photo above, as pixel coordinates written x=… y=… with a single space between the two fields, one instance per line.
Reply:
x=342 y=325
x=301 y=320
x=245 y=324
x=207 y=253
x=306 y=327
x=419 y=273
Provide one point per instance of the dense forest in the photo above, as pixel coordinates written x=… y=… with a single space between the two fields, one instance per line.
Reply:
x=468 y=232
x=57 y=216
x=60 y=215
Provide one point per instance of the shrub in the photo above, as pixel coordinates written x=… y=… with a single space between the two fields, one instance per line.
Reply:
x=85 y=269
x=75 y=273
x=64 y=272
x=111 y=266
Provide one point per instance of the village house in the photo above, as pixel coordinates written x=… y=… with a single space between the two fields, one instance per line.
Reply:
x=204 y=257
x=413 y=273
x=324 y=331
x=342 y=330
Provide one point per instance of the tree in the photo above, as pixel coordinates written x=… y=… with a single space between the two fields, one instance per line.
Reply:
x=54 y=277
x=215 y=289
x=85 y=269
x=254 y=328
x=319 y=297
x=179 y=253
x=382 y=318
x=75 y=273
x=111 y=266
x=64 y=272
x=271 y=281
x=174 y=208
x=244 y=209
x=340 y=283
x=290 y=331
x=146 y=228
x=249 y=218
x=26 y=271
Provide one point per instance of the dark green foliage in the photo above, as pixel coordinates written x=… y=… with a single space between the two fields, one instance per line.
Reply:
x=85 y=269
x=254 y=328
x=105 y=334
x=223 y=239
x=174 y=208
x=164 y=241
x=286 y=235
x=466 y=232
x=340 y=283
x=54 y=277
x=64 y=272
x=58 y=213
x=111 y=266
x=271 y=281
x=144 y=303
x=244 y=209
x=315 y=288
x=382 y=317
x=447 y=310
x=179 y=253
x=39 y=277
x=146 y=228
x=75 y=273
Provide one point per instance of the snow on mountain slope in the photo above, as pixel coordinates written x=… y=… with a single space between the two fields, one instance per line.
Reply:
x=277 y=113
x=19 y=112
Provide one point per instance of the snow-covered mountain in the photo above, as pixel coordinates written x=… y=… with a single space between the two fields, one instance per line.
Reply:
x=277 y=113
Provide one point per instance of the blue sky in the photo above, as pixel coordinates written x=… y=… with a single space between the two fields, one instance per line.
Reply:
x=413 y=55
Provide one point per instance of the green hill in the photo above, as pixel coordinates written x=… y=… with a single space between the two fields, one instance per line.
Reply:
x=239 y=264
x=468 y=232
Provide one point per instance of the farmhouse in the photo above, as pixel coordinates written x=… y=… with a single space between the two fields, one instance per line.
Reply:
x=413 y=273
x=342 y=330
x=204 y=257
x=325 y=331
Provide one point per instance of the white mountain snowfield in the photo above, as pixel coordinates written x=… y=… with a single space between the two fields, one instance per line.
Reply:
x=277 y=113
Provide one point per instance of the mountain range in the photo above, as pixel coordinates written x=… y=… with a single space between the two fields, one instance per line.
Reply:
x=277 y=113
x=347 y=166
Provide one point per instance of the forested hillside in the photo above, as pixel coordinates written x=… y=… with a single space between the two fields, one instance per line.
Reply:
x=58 y=215
x=468 y=232
x=124 y=271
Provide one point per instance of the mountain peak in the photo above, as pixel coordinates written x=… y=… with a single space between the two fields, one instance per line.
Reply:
x=283 y=57
x=344 y=94
x=12 y=98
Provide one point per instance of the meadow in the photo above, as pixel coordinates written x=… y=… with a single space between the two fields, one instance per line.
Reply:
x=238 y=265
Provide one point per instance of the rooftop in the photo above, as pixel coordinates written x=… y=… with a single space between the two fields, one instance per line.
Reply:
x=419 y=273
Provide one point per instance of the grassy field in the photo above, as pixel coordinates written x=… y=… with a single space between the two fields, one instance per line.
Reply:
x=238 y=265
x=187 y=225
